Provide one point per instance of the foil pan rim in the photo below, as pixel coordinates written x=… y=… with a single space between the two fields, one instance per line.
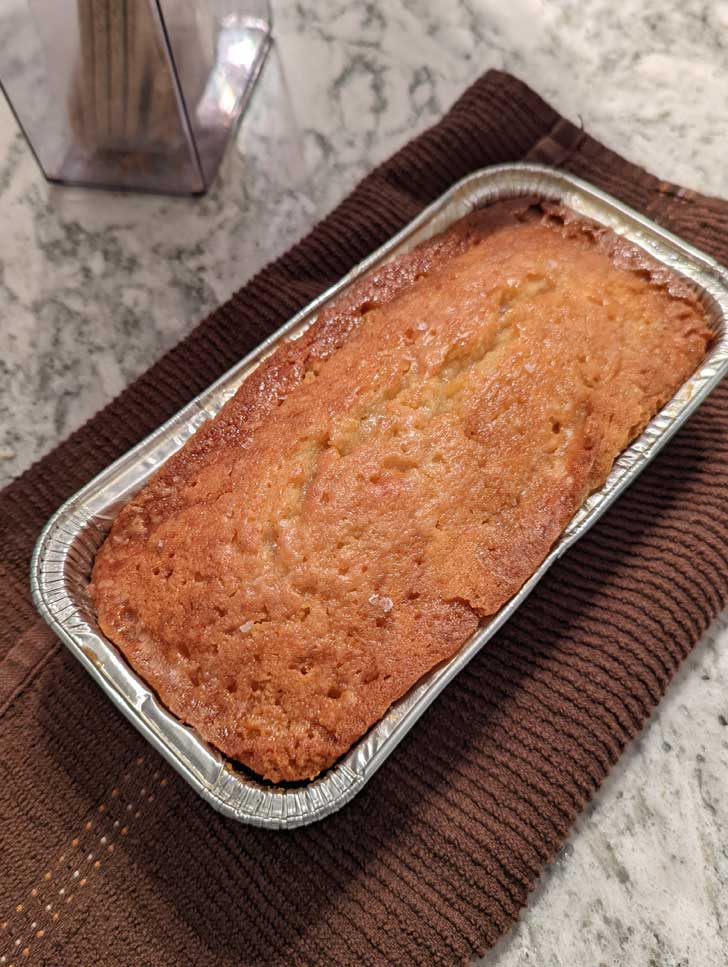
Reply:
x=65 y=549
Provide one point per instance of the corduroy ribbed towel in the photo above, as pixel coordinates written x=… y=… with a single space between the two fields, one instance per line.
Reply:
x=109 y=858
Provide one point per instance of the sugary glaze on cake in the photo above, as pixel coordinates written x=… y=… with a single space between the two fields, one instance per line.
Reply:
x=383 y=483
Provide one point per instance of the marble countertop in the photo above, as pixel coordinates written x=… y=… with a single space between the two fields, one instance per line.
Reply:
x=95 y=286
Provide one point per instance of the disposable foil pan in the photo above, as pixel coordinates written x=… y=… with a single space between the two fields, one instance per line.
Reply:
x=65 y=551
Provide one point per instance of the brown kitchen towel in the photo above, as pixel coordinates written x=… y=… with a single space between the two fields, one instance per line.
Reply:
x=109 y=858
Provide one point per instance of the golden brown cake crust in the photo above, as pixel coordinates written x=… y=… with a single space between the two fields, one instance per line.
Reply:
x=380 y=485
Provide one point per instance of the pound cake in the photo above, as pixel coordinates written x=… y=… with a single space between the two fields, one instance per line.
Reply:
x=388 y=480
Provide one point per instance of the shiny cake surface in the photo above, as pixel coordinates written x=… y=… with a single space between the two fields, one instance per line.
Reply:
x=381 y=484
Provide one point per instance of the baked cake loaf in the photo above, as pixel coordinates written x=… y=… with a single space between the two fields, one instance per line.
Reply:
x=380 y=485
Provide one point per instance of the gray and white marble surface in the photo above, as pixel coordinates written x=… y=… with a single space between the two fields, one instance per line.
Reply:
x=95 y=286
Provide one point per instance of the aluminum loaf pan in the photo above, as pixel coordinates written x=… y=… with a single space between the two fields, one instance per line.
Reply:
x=65 y=551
